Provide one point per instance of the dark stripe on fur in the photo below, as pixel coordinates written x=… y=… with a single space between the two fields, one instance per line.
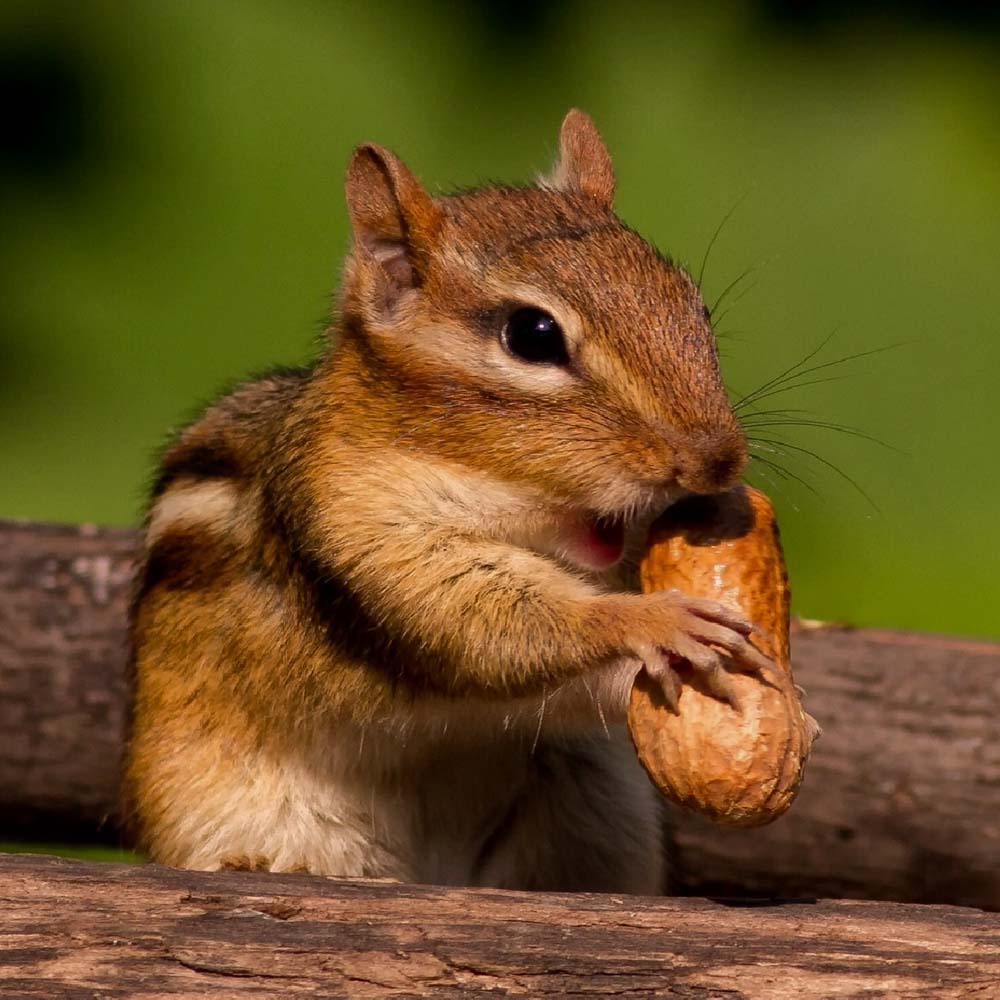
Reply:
x=190 y=558
x=201 y=461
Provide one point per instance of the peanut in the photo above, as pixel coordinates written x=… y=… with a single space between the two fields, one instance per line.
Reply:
x=738 y=766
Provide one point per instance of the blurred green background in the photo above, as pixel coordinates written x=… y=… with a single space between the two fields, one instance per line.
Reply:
x=172 y=218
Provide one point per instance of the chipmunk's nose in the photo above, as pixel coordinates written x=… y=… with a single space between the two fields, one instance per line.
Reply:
x=712 y=461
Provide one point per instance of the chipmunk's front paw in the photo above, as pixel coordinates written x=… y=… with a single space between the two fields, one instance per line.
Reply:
x=701 y=636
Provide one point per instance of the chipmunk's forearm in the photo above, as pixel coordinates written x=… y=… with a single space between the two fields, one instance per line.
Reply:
x=501 y=620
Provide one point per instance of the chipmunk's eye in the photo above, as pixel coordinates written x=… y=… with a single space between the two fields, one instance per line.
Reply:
x=533 y=335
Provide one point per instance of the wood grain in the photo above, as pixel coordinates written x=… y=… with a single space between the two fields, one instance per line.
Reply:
x=901 y=799
x=73 y=930
x=63 y=597
x=902 y=795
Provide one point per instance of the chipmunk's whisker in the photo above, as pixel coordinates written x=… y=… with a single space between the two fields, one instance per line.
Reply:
x=787 y=379
x=784 y=472
x=823 y=425
x=722 y=225
x=773 y=483
x=733 y=284
x=790 y=387
x=749 y=397
x=779 y=444
x=743 y=293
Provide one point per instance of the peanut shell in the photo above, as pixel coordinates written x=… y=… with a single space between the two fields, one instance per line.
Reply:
x=737 y=767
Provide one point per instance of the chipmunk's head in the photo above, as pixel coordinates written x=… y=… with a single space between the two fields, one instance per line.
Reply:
x=529 y=334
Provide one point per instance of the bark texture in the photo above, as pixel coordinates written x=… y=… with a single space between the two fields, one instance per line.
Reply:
x=901 y=798
x=63 y=598
x=73 y=930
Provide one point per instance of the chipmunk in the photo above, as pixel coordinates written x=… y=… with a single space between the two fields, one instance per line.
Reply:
x=386 y=620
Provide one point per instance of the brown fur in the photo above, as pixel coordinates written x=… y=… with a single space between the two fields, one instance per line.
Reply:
x=372 y=602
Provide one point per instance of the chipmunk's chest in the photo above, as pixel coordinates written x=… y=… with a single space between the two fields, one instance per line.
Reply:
x=424 y=813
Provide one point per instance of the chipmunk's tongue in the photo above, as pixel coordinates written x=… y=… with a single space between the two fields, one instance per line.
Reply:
x=605 y=541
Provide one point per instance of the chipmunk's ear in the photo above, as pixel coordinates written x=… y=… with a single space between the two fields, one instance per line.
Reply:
x=394 y=220
x=584 y=162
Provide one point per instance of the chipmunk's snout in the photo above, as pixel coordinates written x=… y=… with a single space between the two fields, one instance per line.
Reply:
x=712 y=461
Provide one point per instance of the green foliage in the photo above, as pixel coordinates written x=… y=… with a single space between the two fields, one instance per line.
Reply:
x=84 y=852
x=185 y=224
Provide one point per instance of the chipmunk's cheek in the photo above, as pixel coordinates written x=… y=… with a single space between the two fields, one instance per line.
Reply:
x=598 y=542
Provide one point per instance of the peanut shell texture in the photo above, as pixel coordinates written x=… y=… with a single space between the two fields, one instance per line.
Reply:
x=738 y=767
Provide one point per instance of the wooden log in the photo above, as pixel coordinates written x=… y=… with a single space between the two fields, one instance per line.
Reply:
x=63 y=597
x=901 y=798
x=73 y=930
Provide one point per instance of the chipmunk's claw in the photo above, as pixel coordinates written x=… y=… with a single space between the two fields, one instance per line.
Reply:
x=659 y=664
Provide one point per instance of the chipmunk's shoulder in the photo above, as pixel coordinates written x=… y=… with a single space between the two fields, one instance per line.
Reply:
x=227 y=438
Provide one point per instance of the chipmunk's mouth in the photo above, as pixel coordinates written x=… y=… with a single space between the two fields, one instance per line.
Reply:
x=601 y=541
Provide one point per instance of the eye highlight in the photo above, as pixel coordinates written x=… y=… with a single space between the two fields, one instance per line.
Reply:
x=534 y=336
